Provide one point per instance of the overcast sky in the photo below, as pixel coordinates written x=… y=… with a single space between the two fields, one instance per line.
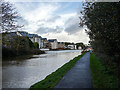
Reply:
x=53 y=20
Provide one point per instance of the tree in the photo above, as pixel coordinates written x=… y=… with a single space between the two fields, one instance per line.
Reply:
x=9 y=17
x=67 y=43
x=31 y=45
x=102 y=20
x=16 y=45
x=36 y=45
x=81 y=45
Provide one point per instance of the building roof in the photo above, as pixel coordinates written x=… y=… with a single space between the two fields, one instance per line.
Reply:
x=30 y=35
x=39 y=36
x=10 y=34
x=52 y=40
x=23 y=33
x=60 y=42
x=43 y=38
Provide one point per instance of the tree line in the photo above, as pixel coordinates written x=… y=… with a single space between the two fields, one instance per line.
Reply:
x=9 y=16
x=14 y=45
x=103 y=21
x=82 y=45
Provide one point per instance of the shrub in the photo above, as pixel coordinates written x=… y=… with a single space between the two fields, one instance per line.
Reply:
x=36 y=45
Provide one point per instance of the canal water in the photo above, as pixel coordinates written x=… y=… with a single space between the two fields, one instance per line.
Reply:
x=24 y=73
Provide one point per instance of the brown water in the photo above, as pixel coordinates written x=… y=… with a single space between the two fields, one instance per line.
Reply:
x=24 y=73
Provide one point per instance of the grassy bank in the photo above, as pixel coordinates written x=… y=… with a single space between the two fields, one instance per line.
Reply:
x=51 y=80
x=102 y=77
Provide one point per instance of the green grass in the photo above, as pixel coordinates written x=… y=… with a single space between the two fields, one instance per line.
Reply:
x=51 y=80
x=102 y=78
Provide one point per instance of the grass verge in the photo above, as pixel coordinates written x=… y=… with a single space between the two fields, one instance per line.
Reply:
x=101 y=76
x=51 y=80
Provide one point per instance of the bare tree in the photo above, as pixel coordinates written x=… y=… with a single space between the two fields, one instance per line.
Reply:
x=9 y=17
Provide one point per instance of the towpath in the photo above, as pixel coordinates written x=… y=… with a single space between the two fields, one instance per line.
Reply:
x=78 y=76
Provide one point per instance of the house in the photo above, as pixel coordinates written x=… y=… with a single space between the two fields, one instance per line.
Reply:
x=42 y=43
x=53 y=43
x=61 y=45
x=46 y=43
x=37 y=39
x=32 y=37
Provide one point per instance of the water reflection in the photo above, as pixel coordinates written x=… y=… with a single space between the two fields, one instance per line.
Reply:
x=24 y=73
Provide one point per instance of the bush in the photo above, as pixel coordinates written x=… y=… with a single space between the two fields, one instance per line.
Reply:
x=8 y=52
x=36 y=45
x=17 y=45
x=101 y=75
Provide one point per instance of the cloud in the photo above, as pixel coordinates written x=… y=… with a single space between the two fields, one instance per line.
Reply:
x=43 y=16
x=43 y=30
x=38 y=15
x=72 y=24
x=53 y=18
x=22 y=21
x=45 y=0
x=48 y=20
x=81 y=36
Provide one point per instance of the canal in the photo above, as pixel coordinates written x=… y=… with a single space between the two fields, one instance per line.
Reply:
x=24 y=73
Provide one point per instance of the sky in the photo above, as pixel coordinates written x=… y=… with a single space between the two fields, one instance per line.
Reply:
x=52 y=20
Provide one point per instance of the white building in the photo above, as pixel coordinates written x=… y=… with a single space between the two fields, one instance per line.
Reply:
x=54 y=43
x=32 y=37
x=42 y=43
x=37 y=39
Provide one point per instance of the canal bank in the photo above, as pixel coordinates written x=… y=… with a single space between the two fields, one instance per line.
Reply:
x=9 y=54
x=51 y=80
